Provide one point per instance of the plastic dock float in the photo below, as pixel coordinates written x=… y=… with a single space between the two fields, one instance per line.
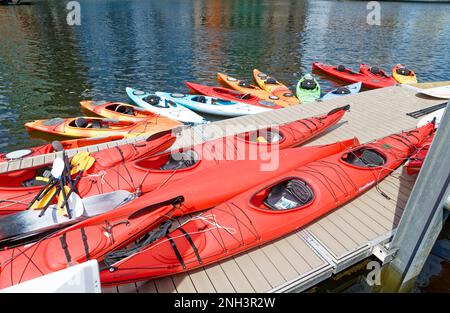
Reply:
x=331 y=244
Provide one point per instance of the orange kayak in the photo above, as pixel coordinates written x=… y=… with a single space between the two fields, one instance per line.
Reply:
x=83 y=127
x=247 y=88
x=273 y=86
x=123 y=112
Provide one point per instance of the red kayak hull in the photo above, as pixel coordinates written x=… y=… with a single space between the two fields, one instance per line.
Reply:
x=416 y=160
x=245 y=221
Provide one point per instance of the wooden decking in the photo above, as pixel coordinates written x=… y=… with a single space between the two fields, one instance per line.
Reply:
x=329 y=245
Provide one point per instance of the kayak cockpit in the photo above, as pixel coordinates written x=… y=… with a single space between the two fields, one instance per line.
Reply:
x=170 y=161
x=364 y=157
x=288 y=194
x=268 y=136
x=33 y=177
x=121 y=108
x=93 y=123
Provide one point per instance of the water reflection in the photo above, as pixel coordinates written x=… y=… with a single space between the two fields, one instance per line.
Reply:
x=47 y=66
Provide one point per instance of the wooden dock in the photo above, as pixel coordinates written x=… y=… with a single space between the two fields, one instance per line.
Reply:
x=325 y=247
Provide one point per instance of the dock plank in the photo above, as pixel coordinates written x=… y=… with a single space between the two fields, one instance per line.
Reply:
x=183 y=283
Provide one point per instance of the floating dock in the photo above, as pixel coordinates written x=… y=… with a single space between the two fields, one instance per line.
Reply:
x=328 y=246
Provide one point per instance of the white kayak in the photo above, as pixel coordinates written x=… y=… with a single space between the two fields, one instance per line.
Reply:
x=211 y=105
x=164 y=107
x=343 y=91
x=442 y=92
x=429 y=117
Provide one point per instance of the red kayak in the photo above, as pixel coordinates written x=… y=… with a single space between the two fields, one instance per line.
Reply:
x=375 y=72
x=110 y=173
x=48 y=148
x=141 y=221
x=345 y=74
x=265 y=212
x=415 y=162
x=232 y=95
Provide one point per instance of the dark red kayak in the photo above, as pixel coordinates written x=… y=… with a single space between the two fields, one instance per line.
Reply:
x=232 y=95
x=345 y=74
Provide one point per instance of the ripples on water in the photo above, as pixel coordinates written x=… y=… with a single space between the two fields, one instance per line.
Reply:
x=47 y=67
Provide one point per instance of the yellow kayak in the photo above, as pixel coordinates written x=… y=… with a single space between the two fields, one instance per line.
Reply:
x=403 y=75
x=247 y=88
x=273 y=86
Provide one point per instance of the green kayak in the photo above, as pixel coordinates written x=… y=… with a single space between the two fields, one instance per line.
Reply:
x=308 y=89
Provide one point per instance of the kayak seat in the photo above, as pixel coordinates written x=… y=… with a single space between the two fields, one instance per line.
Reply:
x=289 y=194
x=340 y=68
x=365 y=158
x=246 y=96
x=375 y=70
x=34 y=182
x=81 y=122
x=342 y=91
x=96 y=124
x=271 y=81
x=308 y=84
x=201 y=99
x=180 y=160
x=123 y=109
x=403 y=71
x=40 y=178
x=243 y=83
x=153 y=100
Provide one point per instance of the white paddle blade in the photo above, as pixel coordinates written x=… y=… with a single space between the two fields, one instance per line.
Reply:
x=57 y=168
x=76 y=205
x=429 y=118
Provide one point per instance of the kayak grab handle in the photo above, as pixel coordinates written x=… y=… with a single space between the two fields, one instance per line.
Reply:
x=345 y=108
x=175 y=202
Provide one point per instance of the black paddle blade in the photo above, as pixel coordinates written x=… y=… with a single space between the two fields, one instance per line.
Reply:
x=345 y=108
x=174 y=202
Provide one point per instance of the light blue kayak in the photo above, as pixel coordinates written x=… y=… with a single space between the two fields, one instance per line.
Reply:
x=212 y=105
x=343 y=91
x=165 y=107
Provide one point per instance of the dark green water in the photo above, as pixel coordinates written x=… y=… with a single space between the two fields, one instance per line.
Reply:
x=47 y=66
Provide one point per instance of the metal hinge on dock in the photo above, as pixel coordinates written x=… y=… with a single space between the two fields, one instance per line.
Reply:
x=383 y=253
